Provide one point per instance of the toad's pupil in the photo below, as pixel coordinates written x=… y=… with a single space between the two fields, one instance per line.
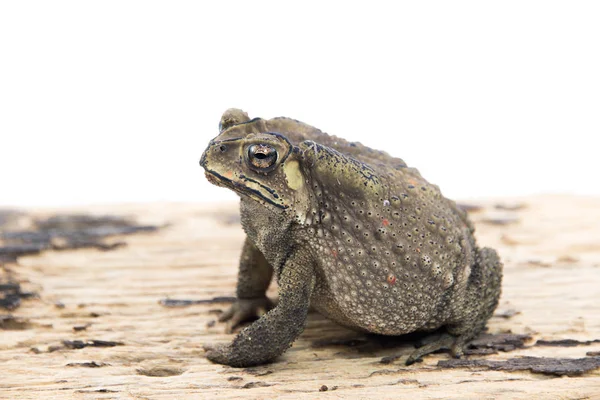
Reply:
x=262 y=156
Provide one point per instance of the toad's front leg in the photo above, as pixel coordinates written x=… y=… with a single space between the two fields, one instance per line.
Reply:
x=253 y=280
x=274 y=332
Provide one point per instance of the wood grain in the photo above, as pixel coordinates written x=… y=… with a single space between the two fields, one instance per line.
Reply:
x=550 y=246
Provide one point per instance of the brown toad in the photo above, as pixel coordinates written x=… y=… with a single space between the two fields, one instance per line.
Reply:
x=350 y=230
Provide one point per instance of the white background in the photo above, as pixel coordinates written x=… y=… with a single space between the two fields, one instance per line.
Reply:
x=114 y=101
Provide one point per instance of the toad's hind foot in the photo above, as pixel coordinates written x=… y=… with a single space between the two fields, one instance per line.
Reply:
x=436 y=342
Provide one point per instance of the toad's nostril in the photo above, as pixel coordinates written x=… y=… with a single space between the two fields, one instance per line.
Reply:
x=223 y=148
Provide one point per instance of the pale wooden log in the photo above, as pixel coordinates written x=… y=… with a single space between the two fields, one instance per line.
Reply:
x=552 y=278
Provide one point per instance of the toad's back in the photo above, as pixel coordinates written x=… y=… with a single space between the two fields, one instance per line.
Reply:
x=388 y=261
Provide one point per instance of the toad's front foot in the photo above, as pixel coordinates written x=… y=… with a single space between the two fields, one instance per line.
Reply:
x=273 y=333
x=219 y=353
x=228 y=354
x=245 y=310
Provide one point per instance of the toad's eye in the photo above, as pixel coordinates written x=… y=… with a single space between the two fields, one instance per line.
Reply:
x=262 y=156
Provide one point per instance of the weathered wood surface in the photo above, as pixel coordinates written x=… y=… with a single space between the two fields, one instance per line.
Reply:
x=551 y=250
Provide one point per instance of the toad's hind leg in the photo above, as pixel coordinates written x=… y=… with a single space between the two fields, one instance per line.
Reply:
x=483 y=292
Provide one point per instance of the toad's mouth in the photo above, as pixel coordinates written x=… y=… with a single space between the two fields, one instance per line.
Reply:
x=221 y=181
x=212 y=178
x=245 y=186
